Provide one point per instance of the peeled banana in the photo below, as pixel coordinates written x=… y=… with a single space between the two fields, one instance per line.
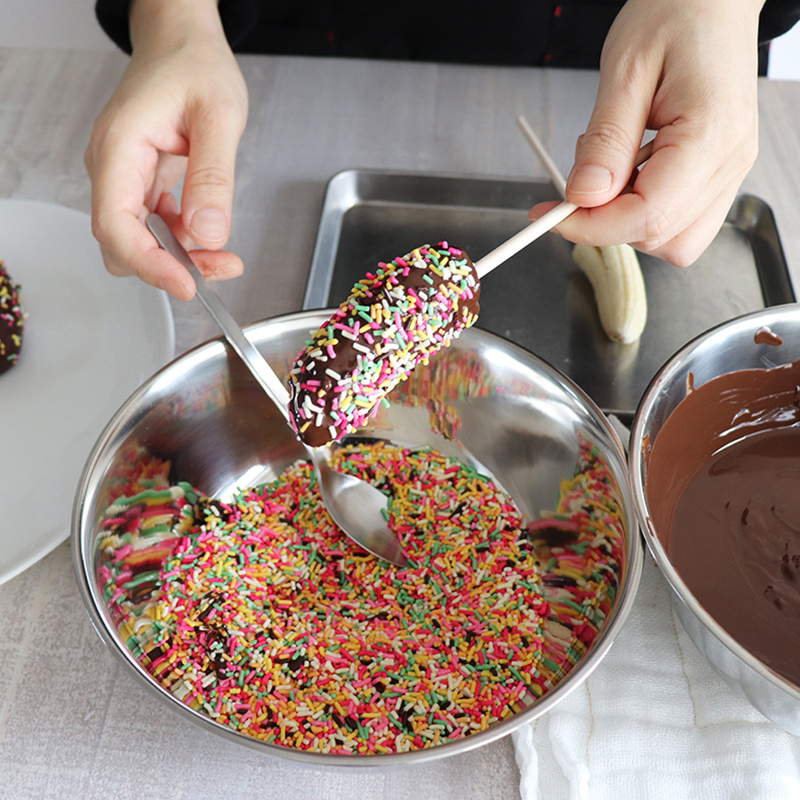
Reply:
x=619 y=292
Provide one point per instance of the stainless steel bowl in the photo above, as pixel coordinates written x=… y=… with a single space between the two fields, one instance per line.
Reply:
x=721 y=350
x=509 y=413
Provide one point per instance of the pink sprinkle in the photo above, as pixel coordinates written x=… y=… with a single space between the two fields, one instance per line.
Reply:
x=119 y=593
x=123 y=552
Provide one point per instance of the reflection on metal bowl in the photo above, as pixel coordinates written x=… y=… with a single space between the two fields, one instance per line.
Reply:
x=485 y=402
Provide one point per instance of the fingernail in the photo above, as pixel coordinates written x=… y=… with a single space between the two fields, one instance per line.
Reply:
x=209 y=223
x=589 y=179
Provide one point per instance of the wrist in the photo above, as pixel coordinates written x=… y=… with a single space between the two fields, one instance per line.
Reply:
x=173 y=23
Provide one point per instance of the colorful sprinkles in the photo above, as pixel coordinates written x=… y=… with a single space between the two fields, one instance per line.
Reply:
x=393 y=320
x=265 y=617
x=580 y=549
x=12 y=321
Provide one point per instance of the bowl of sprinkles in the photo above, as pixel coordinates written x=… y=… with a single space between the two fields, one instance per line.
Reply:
x=211 y=568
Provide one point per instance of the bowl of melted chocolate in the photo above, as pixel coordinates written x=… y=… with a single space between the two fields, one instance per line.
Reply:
x=715 y=468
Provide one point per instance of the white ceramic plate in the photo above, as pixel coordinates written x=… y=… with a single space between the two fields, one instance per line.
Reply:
x=90 y=339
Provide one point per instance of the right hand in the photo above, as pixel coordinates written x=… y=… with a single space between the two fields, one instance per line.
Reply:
x=181 y=105
x=688 y=70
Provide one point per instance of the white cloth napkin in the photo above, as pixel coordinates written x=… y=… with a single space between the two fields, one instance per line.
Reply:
x=655 y=721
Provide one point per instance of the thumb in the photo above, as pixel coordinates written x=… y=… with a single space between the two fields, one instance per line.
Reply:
x=605 y=153
x=207 y=197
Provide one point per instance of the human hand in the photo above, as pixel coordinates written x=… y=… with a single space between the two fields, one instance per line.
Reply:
x=688 y=70
x=180 y=105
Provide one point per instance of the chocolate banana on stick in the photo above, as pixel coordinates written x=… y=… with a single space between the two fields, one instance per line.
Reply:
x=393 y=320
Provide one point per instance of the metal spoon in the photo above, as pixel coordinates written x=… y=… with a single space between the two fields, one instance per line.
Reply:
x=355 y=505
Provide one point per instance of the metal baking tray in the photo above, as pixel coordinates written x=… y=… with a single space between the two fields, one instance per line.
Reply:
x=539 y=298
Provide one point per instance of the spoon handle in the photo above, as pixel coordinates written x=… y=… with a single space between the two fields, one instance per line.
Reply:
x=255 y=362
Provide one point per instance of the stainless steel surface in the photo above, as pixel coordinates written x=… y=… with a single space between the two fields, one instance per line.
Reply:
x=205 y=414
x=355 y=505
x=539 y=298
x=724 y=349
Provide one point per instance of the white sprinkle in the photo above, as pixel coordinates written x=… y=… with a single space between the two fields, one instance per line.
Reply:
x=309 y=405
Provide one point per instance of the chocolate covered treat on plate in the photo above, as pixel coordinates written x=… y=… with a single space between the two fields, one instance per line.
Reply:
x=11 y=321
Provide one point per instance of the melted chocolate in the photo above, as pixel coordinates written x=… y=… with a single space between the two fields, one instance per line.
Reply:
x=723 y=486
x=766 y=335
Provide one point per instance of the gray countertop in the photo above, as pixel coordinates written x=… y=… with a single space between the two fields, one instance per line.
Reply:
x=72 y=723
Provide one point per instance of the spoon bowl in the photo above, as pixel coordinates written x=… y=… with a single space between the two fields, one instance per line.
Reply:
x=354 y=509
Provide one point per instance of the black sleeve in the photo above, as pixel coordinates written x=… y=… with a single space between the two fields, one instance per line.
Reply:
x=238 y=17
x=303 y=25
x=113 y=18
x=777 y=17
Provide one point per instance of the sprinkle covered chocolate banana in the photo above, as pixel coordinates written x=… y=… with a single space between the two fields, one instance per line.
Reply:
x=393 y=320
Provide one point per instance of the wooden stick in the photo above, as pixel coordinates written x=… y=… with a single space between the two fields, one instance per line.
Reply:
x=550 y=166
x=522 y=239
x=645 y=151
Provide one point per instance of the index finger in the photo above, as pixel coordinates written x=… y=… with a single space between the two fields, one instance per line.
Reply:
x=134 y=251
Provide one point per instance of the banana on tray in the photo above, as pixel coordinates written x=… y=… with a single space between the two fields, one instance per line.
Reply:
x=616 y=278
